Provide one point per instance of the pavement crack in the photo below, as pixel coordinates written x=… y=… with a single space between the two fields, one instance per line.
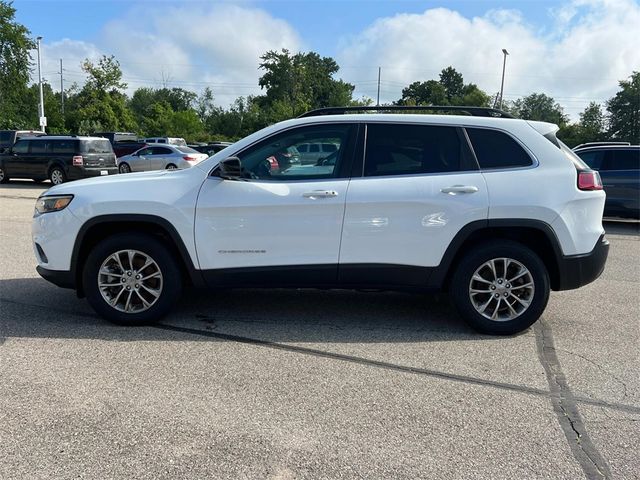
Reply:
x=593 y=464
x=601 y=368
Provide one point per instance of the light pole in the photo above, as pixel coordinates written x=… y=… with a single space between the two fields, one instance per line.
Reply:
x=43 y=120
x=504 y=64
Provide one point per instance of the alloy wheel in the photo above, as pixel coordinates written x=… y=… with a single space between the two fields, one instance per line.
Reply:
x=130 y=281
x=57 y=177
x=501 y=289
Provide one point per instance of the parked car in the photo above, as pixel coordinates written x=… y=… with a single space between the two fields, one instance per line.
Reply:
x=58 y=158
x=123 y=143
x=170 y=140
x=619 y=167
x=211 y=148
x=496 y=211
x=170 y=157
x=310 y=153
x=9 y=137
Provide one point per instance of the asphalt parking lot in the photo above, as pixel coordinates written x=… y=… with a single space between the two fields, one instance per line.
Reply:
x=315 y=384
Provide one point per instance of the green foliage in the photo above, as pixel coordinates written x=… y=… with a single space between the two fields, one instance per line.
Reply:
x=15 y=64
x=624 y=111
x=449 y=90
x=539 y=106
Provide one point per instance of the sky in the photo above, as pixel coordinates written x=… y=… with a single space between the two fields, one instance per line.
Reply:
x=574 y=50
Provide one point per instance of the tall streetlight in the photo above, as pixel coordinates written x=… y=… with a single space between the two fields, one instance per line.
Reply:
x=43 y=120
x=504 y=64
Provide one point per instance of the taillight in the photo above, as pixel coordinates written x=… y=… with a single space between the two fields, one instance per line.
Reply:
x=78 y=161
x=589 y=180
x=189 y=158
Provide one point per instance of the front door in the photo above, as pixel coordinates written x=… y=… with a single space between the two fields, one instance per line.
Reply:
x=281 y=225
x=419 y=186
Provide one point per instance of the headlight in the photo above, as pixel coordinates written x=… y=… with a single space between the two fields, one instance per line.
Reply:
x=52 y=203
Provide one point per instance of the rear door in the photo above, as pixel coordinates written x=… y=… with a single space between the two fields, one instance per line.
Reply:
x=419 y=186
x=161 y=157
x=16 y=161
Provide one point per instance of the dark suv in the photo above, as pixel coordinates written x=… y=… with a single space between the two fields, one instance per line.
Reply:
x=58 y=158
x=619 y=167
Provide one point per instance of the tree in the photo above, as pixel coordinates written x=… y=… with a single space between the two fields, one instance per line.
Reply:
x=452 y=82
x=449 y=90
x=624 y=111
x=539 y=106
x=15 y=64
x=593 y=123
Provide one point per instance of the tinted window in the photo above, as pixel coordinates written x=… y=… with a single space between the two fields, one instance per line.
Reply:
x=496 y=149
x=303 y=148
x=144 y=151
x=161 y=151
x=276 y=158
x=622 y=160
x=5 y=137
x=413 y=149
x=592 y=159
x=314 y=148
x=21 y=146
x=329 y=147
x=40 y=147
x=161 y=140
x=96 y=146
x=64 y=146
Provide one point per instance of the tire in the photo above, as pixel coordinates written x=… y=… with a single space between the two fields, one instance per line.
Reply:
x=4 y=178
x=171 y=166
x=521 y=301
x=57 y=176
x=124 y=168
x=159 y=291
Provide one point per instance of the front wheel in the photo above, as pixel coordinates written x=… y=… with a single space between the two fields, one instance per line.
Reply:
x=124 y=168
x=500 y=288
x=131 y=279
x=4 y=178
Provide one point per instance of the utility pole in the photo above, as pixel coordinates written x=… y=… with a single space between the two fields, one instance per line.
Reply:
x=504 y=64
x=43 y=119
x=61 y=90
x=378 y=101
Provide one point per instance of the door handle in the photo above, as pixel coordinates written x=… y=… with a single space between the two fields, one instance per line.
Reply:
x=457 y=189
x=320 y=194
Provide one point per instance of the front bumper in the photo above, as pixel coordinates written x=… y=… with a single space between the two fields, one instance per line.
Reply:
x=578 y=270
x=61 y=278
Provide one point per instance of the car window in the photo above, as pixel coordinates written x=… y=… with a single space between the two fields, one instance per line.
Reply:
x=5 y=137
x=41 y=147
x=329 y=147
x=277 y=157
x=622 y=160
x=144 y=151
x=592 y=159
x=414 y=149
x=161 y=140
x=64 y=146
x=186 y=149
x=96 y=146
x=161 y=151
x=314 y=148
x=21 y=146
x=303 y=148
x=495 y=149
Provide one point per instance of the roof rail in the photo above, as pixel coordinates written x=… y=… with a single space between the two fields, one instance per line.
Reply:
x=473 y=111
x=600 y=144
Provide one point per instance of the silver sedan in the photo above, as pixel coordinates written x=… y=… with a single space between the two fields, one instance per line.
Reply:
x=168 y=157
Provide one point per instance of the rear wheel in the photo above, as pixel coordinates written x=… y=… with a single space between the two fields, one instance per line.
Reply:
x=4 y=178
x=500 y=288
x=124 y=168
x=131 y=279
x=171 y=166
x=57 y=176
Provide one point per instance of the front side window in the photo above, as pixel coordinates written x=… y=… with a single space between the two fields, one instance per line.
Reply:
x=414 y=149
x=144 y=151
x=40 y=147
x=495 y=149
x=278 y=157
x=21 y=146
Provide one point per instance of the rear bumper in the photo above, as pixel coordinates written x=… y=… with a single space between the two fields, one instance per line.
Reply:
x=61 y=278
x=578 y=270
x=76 y=173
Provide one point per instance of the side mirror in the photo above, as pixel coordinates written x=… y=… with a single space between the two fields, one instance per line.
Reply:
x=230 y=168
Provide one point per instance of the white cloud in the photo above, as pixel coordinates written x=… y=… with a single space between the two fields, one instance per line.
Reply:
x=591 y=46
x=216 y=45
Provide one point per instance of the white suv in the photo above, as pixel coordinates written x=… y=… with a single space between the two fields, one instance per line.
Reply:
x=496 y=211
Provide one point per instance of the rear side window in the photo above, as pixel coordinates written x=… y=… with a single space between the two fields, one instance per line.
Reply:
x=414 y=149
x=622 y=160
x=41 y=147
x=96 y=146
x=64 y=146
x=495 y=149
x=161 y=151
